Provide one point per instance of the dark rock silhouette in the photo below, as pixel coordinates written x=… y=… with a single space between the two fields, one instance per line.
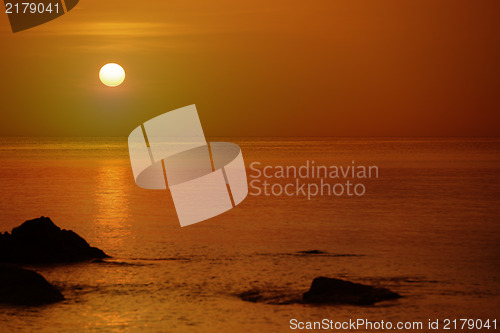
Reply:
x=312 y=252
x=40 y=241
x=335 y=291
x=19 y=286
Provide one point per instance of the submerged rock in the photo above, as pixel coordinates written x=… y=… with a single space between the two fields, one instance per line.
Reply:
x=252 y=295
x=336 y=291
x=275 y=296
x=40 y=241
x=312 y=252
x=19 y=286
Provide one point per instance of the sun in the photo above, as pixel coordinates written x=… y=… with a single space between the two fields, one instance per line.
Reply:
x=112 y=75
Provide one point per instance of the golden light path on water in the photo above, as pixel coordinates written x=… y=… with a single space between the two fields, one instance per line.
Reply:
x=112 y=202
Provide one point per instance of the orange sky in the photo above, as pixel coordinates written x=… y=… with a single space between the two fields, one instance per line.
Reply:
x=259 y=68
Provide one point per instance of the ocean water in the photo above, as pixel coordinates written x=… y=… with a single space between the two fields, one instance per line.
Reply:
x=428 y=227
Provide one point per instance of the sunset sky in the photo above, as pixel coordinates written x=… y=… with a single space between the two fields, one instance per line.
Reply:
x=259 y=68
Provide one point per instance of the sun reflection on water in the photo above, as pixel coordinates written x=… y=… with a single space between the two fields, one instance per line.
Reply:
x=111 y=197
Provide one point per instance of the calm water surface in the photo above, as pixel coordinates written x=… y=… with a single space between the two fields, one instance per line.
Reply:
x=428 y=228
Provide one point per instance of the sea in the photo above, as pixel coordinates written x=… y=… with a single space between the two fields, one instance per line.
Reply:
x=426 y=226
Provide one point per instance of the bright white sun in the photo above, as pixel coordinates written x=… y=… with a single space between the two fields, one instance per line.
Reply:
x=112 y=75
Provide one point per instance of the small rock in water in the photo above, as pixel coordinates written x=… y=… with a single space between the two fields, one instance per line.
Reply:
x=336 y=291
x=19 y=286
x=312 y=252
